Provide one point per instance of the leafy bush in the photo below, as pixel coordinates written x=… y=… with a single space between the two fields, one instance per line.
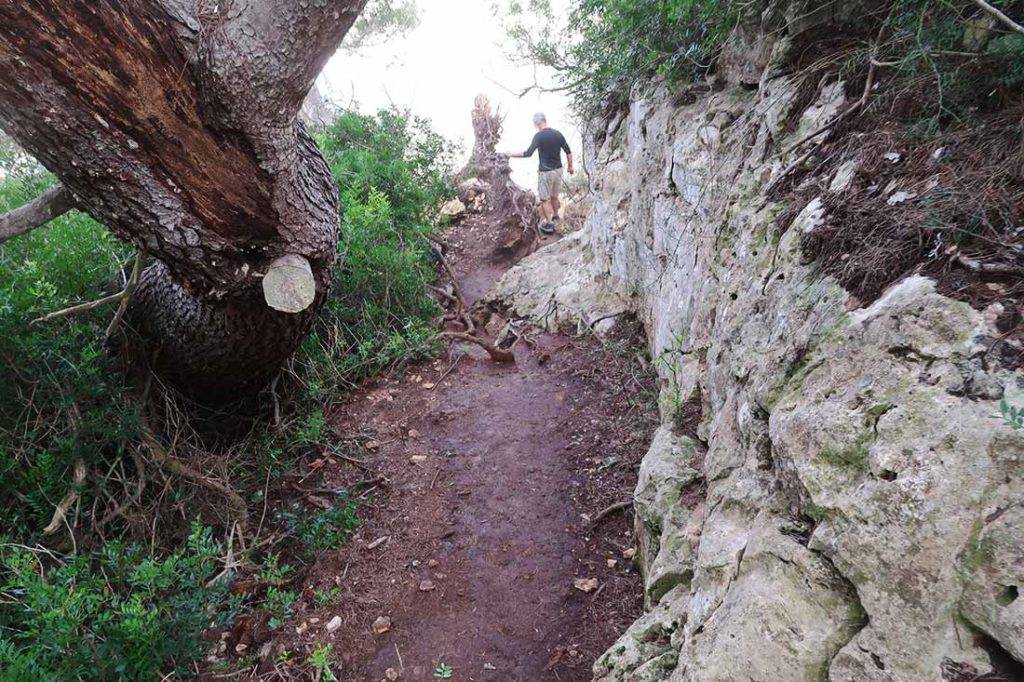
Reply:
x=122 y=614
x=393 y=174
x=610 y=46
x=59 y=392
x=607 y=48
x=947 y=62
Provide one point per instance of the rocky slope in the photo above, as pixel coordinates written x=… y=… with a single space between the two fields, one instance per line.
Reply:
x=847 y=505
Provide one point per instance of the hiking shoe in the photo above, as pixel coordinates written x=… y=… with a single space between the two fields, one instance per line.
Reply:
x=547 y=228
x=555 y=218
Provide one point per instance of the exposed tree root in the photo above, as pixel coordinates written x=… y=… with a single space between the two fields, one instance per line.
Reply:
x=608 y=511
x=463 y=311
x=497 y=354
x=162 y=458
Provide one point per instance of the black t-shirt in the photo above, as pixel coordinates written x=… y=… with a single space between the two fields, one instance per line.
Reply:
x=551 y=143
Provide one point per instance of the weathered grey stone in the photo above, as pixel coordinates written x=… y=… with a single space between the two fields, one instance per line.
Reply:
x=648 y=640
x=556 y=288
x=857 y=512
x=665 y=525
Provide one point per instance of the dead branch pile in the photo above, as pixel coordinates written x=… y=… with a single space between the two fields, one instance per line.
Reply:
x=513 y=208
x=951 y=207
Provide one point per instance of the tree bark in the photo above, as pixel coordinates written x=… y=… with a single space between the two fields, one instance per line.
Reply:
x=174 y=123
x=51 y=204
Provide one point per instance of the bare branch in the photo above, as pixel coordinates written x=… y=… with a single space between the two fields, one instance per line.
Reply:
x=129 y=289
x=53 y=203
x=81 y=308
x=1013 y=25
x=991 y=268
x=497 y=354
x=123 y=297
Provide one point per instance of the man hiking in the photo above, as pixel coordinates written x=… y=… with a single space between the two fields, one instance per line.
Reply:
x=551 y=144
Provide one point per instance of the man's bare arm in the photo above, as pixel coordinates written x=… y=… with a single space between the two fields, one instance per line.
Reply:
x=572 y=166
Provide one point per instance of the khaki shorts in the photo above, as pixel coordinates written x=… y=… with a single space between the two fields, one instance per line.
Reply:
x=549 y=184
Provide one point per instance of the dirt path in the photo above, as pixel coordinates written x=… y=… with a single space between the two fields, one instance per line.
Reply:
x=473 y=541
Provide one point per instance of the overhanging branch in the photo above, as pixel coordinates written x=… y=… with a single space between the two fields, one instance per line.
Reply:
x=53 y=203
x=1013 y=25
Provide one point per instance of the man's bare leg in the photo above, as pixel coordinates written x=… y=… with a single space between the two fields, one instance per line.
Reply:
x=546 y=211
x=556 y=206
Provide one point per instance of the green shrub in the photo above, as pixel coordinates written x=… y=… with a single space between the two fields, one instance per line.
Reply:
x=950 y=69
x=611 y=46
x=59 y=393
x=122 y=614
x=393 y=174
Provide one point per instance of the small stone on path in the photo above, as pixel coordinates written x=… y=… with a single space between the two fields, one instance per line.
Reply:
x=382 y=625
x=333 y=624
x=587 y=585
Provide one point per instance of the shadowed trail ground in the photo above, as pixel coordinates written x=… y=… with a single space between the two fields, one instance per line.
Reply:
x=472 y=544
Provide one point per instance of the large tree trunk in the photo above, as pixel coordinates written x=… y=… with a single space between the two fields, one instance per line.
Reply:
x=173 y=122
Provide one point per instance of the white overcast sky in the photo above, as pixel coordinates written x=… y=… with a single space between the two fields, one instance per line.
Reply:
x=457 y=52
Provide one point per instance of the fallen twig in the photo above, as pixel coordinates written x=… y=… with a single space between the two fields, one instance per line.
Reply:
x=451 y=368
x=608 y=511
x=497 y=354
x=991 y=268
x=369 y=482
x=129 y=289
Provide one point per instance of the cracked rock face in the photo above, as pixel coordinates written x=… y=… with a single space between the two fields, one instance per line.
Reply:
x=851 y=504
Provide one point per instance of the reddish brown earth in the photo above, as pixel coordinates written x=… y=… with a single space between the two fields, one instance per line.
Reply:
x=476 y=478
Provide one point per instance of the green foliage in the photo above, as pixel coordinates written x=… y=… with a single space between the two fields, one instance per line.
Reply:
x=380 y=21
x=59 y=395
x=609 y=46
x=393 y=174
x=279 y=603
x=121 y=615
x=1013 y=416
x=320 y=659
x=947 y=57
x=62 y=401
x=324 y=530
x=273 y=572
x=443 y=671
x=326 y=597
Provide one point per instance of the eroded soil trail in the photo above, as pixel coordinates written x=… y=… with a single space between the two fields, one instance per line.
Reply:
x=476 y=532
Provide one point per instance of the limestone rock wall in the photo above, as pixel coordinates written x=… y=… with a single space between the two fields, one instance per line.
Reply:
x=849 y=506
